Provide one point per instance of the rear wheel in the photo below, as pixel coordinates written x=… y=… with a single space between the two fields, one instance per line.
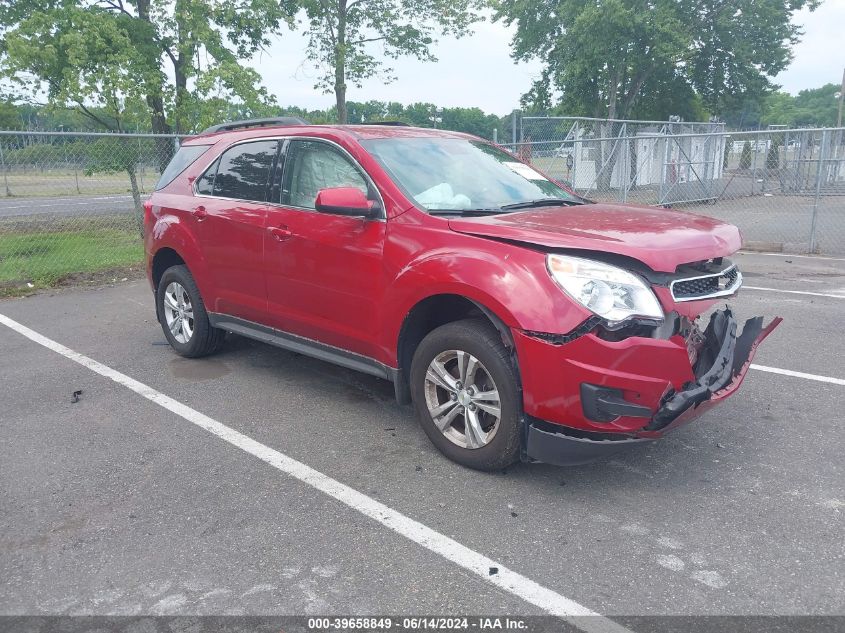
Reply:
x=466 y=394
x=183 y=316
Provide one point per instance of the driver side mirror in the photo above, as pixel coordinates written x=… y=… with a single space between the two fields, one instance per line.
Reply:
x=349 y=201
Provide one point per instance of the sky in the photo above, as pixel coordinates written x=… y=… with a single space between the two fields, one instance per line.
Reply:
x=477 y=71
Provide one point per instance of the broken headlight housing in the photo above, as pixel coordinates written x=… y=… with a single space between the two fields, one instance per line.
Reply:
x=614 y=294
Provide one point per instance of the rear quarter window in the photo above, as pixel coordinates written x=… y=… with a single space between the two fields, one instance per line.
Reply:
x=243 y=171
x=184 y=157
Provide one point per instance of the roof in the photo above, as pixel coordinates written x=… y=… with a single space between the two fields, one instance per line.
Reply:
x=359 y=132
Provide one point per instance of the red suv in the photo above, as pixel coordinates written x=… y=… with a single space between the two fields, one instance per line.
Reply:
x=521 y=320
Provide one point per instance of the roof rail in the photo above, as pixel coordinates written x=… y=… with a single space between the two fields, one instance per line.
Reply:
x=240 y=125
x=390 y=123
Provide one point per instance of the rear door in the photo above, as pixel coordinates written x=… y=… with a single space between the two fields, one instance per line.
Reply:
x=323 y=271
x=229 y=218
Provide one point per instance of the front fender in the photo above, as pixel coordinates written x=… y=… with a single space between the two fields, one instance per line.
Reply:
x=509 y=281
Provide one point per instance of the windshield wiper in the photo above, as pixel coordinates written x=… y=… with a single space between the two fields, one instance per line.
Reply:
x=541 y=202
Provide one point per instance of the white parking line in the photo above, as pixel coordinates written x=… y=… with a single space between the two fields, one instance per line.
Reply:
x=795 y=292
x=798 y=374
x=60 y=202
x=791 y=255
x=513 y=582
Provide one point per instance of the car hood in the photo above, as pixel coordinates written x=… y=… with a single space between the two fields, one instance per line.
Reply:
x=660 y=238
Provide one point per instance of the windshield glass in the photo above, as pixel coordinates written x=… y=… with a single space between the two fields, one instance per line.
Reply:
x=459 y=174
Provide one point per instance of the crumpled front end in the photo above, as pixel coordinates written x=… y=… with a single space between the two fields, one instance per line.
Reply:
x=599 y=392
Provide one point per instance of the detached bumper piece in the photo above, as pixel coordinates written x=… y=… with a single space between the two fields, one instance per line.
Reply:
x=722 y=358
x=555 y=444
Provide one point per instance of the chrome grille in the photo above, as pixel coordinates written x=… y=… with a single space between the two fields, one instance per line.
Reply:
x=710 y=286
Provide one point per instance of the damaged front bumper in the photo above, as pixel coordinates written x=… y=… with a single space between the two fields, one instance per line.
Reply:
x=623 y=393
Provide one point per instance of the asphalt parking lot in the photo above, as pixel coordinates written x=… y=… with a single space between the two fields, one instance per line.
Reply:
x=117 y=505
x=85 y=205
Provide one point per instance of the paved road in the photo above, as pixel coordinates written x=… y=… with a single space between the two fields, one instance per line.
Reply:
x=114 y=505
x=68 y=205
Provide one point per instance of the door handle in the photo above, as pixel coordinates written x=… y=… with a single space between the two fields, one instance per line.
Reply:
x=281 y=233
x=200 y=213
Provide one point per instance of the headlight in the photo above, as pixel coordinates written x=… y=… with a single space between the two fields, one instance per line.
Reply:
x=610 y=292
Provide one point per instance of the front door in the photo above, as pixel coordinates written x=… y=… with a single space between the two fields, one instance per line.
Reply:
x=324 y=272
x=230 y=216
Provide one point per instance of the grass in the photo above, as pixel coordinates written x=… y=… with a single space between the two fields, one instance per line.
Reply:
x=47 y=259
x=35 y=183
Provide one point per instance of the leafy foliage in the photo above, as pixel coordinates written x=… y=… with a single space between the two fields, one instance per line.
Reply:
x=113 y=59
x=603 y=58
x=470 y=120
x=343 y=36
x=816 y=107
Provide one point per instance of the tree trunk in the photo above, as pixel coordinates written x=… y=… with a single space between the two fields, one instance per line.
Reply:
x=155 y=102
x=181 y=81
x=179 y=57
x=163 y=146
x=340 y=64
x=608 y=151
x=136 y=198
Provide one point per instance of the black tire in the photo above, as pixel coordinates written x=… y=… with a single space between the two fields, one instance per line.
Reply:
x=205 y=339
x=479 y=338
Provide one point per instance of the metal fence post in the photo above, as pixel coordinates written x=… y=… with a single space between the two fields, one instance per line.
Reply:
x=766 y=165
x=664 y=184
x=754 y=162
x=819 y=172
x=5 y=173
x=624 y=169
x=139 y=165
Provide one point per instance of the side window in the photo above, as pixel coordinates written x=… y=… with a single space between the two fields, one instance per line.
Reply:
x=205 y=183
x=311 y=166
x=182 y=159
x=242 y=172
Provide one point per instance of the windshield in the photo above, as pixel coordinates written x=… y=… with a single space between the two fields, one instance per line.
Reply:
x=461 y=175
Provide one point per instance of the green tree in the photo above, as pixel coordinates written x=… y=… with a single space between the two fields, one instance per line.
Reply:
x=120 y=62
x=342 y=34
x=602 y=57
x=813 y=107
x=778 y=108
x=9 y=116
x=745 y=156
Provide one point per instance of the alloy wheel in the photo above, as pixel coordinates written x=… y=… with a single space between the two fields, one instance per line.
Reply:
x=178 y=312
x=462 y=399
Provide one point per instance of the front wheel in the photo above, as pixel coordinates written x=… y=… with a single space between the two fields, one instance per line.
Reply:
x=466 y=394
x=184 y=319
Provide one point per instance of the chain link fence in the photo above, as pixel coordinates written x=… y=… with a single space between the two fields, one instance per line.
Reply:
x=784 y=188
x=71 y=205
